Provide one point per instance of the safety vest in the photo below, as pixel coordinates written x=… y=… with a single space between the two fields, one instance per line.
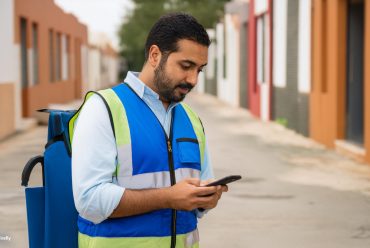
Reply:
x=147 y=158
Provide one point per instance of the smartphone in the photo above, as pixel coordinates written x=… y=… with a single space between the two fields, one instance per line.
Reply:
x=224 y=181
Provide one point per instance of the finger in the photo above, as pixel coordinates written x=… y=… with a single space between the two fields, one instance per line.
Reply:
x=205 y=182
x=225 y=188
x=207 y=202
x=193 y=181
x=219 y=196
x=204 y=191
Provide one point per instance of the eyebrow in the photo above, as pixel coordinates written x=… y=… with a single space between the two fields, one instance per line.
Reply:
x=192 y=62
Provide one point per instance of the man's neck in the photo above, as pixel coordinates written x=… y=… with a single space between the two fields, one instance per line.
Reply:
x=148 y=81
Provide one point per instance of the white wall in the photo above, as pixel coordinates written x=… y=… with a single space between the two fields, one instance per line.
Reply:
x=260 y=6
x=200 y=87
x=280 y=43
x=8 y=49
x=221 y=81
x=94 y=69
x=304 y=47
x=84 y=68
x=232 y=59
x=10 y=55
x=65 y=69
x=210 y=71
x=113 y=70
x=263 y=66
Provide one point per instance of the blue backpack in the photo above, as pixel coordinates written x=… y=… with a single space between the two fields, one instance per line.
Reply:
x=51 y=213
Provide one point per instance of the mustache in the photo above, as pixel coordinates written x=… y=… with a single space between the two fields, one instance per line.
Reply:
x=185 y=86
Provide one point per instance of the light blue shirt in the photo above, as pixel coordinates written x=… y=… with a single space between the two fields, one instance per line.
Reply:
x=96 y=193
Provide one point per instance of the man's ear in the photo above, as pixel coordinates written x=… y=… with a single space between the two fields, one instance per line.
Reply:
x=154 y=57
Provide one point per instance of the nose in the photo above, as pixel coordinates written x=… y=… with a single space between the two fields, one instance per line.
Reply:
x=192 y=77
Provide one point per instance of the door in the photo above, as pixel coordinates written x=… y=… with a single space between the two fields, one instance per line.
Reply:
x=24 y=66
x=355 y=72
x=78 y=77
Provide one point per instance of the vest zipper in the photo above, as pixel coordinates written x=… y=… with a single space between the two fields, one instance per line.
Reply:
x=170 y=166
x=173 y=180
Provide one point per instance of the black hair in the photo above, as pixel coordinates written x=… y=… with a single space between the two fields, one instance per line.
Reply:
x=171 y=28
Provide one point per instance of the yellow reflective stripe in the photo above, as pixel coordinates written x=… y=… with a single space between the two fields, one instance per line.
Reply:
x=120 y=121
x=198 y=128
x=72 y=121
x=190 y=240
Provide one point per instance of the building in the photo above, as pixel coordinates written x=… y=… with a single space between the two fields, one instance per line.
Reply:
x=44 y=59
x=260 y=58
x=243 y=11
x=210 y=84
x=340 y=95
x=103 y=65
x=291 y=63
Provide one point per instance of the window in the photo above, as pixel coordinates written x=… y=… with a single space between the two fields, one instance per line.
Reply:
x=35 y=52
x=67 y=58
x=58 y=58
x=24 y=57
x=51 y=55
x=262 y=49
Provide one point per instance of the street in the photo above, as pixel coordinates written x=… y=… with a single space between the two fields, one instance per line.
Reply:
x=294 y=192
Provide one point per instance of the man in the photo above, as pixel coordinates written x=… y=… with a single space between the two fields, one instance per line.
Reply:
x=139 y=154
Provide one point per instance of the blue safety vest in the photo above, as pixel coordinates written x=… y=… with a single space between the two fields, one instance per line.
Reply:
x=146 y=159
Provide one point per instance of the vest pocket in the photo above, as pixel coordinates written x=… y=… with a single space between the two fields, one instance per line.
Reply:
x=188 y=150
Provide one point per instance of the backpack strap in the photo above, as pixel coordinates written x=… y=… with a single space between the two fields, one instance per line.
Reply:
x=117 y=117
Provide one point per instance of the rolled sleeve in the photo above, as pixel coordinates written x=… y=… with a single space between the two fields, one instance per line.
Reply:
x=94 y=163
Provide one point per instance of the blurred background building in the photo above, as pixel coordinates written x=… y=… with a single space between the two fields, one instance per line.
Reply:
x=300 y=63
x=46 y=58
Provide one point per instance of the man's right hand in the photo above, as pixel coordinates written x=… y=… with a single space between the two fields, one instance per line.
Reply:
x=189 y=195
x=185 y=195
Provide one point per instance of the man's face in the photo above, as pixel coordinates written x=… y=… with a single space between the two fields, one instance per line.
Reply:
x=177 y=74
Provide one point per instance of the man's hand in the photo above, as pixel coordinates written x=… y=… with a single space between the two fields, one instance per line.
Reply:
x=185 y=195
x=190 y=194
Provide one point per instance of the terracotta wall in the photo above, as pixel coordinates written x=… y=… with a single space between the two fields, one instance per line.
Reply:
x=328 y=71
x=7 y=109
x=253 y=87
x=48 y=16
x=328 y=95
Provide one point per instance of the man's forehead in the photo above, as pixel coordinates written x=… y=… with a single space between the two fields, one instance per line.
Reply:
x=192 y=52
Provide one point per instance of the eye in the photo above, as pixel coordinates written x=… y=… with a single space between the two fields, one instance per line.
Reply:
x=185 y=67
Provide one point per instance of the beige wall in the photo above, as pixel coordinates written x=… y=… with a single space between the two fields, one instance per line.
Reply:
x=7 y=109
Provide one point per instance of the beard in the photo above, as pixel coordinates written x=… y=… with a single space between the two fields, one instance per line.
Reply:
x=166 y=88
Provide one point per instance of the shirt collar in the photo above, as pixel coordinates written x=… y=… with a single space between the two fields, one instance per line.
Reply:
x=141 y=89
x=132 y=79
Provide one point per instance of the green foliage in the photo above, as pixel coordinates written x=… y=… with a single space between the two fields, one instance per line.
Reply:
x=282 y=121
x=136 y=26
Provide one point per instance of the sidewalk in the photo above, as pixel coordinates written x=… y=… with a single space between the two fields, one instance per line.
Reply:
x=294 y=192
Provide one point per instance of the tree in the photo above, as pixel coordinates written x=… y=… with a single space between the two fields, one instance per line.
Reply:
x=138 y=22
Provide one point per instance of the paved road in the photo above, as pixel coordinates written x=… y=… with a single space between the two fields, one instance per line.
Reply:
x=294 y=193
